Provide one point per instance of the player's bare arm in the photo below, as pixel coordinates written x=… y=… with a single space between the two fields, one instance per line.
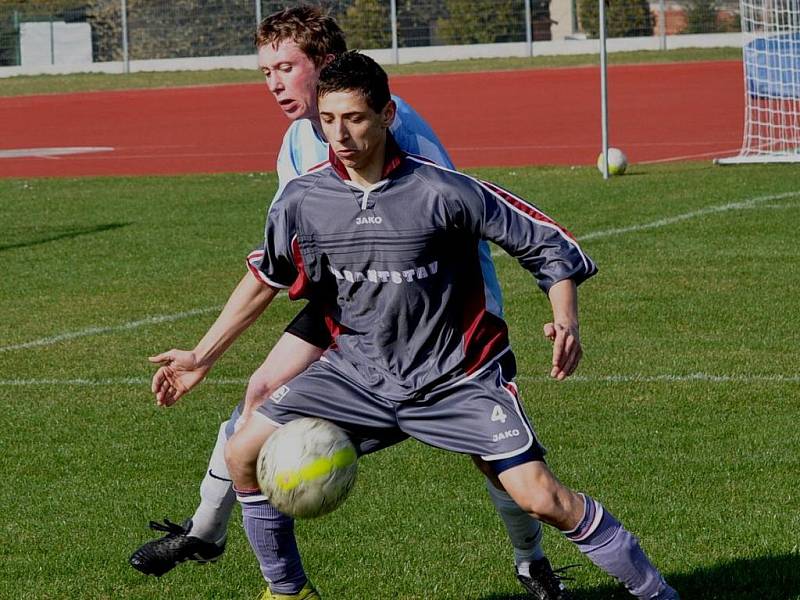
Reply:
x=289 y=357
x=564 y=330
x=182 y=370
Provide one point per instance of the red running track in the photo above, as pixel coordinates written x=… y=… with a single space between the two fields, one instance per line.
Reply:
x=548 y=116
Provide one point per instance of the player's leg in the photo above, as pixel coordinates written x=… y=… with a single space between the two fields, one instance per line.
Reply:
x=533 y=569
x=318 y=392
x=270 y=533
x=485 y=418
x=202 y=537
x=585 y=522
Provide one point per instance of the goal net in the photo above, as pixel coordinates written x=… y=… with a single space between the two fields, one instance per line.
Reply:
x=771 y=53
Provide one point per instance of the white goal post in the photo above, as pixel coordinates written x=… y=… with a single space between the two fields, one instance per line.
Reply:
x=771 y=57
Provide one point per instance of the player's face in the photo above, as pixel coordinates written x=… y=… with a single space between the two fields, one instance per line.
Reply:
x=356 y=133
x=291 y=78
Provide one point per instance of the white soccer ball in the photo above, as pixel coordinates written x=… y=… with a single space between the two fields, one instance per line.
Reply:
x=307 y=468
x=617 y=161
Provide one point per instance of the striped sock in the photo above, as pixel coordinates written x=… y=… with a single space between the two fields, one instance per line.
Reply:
x=615 y=550
x=271 y=535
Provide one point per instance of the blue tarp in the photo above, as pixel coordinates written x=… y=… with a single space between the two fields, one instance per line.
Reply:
x=772 y=66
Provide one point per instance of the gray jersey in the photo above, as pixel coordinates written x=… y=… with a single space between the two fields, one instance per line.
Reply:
x=396 y=267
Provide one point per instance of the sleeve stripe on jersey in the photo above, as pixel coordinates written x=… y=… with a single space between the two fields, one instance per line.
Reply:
x=519 y=206
x=528 y=210
x=255 y=256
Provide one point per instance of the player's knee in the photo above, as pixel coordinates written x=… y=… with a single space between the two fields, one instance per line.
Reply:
x=241 y=465
x=554 y=505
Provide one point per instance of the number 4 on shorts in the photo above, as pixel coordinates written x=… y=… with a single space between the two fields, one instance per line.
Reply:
x=498 y=414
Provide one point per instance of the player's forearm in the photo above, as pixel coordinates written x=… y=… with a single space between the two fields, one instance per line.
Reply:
x=244 y=306
x=564 y=301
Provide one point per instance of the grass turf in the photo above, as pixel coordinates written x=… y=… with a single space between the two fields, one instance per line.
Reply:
x=84 y=82
x=682 y=418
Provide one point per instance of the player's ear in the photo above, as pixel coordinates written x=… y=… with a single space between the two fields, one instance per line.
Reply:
x=388 y=113
x=327 y=60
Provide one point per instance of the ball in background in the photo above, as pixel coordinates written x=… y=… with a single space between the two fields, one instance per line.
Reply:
x=307 y=468
x=617 y=161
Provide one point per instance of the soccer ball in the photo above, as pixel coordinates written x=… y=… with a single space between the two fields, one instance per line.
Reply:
x=307 y=468
x=617 y=161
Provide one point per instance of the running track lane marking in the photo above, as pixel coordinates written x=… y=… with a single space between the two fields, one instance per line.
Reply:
x=612 y=379
x=745 y=204
x=52 y=152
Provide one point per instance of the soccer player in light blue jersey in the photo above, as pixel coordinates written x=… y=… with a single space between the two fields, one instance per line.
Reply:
x=293 y=46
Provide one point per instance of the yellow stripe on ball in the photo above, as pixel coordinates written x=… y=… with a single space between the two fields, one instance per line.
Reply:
x=320 y=467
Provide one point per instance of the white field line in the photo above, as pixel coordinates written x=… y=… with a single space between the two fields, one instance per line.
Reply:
x=708 y=210
x=623 y=379
x=71 y=335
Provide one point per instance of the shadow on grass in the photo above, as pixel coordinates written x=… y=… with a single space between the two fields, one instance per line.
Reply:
x=63 y=235
x=764 y=578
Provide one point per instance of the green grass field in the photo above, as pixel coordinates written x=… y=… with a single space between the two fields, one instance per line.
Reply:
x=682 y=418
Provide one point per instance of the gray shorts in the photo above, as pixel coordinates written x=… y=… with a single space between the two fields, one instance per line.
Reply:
x=480 y=415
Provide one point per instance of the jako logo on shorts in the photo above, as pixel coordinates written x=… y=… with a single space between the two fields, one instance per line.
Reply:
x=278 y=394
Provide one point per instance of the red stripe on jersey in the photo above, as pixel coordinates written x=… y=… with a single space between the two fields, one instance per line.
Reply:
x=485 y=334
x=316 y=167
x=302 y=283
x=485 y=338
x=252 y=257
x=333 y=327
x=528 y=209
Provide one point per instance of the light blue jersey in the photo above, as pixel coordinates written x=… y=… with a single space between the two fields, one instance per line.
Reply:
x=304 y=148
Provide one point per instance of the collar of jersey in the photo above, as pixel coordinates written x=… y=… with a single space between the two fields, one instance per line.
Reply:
x=392 y=160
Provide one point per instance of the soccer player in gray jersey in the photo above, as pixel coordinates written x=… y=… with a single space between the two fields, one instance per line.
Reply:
x=293 y=45
x=386 y=242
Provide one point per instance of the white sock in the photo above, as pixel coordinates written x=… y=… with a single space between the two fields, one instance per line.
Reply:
x=524 y=531
x=217 y=498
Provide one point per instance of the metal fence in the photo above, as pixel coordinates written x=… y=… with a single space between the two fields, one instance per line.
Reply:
x=64 y=31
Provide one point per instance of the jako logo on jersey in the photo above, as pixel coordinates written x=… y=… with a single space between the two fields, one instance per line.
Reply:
x=369 y=220
x=375 y=276
x=278 y=394
x=504 y=435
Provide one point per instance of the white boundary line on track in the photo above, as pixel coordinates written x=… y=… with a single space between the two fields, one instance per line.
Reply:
x=744 y=204
x=52 y=152
x=624 y=379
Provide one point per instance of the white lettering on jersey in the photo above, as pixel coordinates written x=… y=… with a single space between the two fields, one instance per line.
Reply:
x=504 y=435
x=396 y=277
x=369 y=220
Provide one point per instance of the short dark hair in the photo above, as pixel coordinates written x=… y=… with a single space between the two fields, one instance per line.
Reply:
x=316 y=33
x=353 y=71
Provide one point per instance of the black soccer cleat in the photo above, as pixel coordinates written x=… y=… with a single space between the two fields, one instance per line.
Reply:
x=544 y=583
x=159 y=556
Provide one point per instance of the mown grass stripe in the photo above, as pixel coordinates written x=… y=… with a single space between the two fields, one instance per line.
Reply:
x=631 y=378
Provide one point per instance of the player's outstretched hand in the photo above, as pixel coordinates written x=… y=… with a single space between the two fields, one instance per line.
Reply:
x=567 y=349
x=178 y=374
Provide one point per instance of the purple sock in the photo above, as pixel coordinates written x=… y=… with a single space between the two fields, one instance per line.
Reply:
x=271 y=535
x=615 y=550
